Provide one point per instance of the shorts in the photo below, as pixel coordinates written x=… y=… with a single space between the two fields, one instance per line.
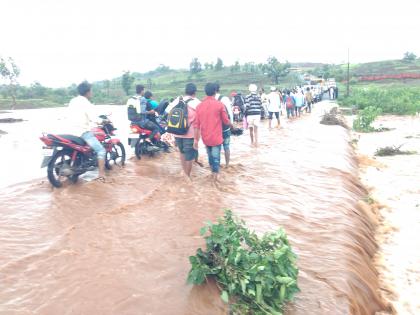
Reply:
x=185 y=146
x=270 y=115
x=226 y=140
x=253 y=120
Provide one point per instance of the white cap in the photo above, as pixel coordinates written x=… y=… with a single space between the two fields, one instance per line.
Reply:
x=253 y=88
x=273 y=88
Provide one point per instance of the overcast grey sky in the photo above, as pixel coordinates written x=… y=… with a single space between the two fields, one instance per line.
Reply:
x=62 y=42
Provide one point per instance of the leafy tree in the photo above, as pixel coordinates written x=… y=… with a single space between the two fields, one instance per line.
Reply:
x=236 y=67
x=275 y=70
x=219 y=65
x=107 y=85
x=9 y=71
x=149 y=83
x=127 y=81
x=409 y=57
x=162 y=69
x=195 y=66
x=37 y=90
x=206 y=66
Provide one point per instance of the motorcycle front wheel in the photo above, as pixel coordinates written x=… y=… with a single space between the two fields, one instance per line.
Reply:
x=117 y=154
x=59 y=169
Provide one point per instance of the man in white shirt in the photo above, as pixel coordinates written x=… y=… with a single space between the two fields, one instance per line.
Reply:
x=226 y=129
x=274 y=104
x=83 y=119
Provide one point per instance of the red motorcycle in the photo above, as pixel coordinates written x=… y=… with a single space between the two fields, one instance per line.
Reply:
x=68 y=156
x=138 y=136
x=237 y=113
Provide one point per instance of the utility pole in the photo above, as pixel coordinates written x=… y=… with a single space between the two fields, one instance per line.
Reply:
x=348 y=72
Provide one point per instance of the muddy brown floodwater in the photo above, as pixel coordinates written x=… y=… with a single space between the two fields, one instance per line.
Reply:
x=123 y=247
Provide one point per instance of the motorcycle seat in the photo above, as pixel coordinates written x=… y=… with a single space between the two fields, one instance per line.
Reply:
x=74 y=139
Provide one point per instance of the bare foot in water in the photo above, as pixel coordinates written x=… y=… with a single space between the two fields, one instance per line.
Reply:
x=199 y=163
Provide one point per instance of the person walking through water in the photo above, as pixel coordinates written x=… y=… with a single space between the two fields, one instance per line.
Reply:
x=332 y=93
x=308 y=100
x=274 y=104
x=210 y=115
x=185 y=143
x=253 y=108
x=82 y=118
x=226 y=128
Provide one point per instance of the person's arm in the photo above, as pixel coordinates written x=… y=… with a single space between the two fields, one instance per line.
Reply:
x=196 y=126
x=246 y=105
x=143 y=107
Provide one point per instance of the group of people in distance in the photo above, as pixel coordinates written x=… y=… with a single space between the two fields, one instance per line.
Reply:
x=211 y=119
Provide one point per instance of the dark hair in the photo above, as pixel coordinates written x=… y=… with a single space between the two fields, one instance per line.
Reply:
x=139 y=88
x=148 y=94
x=307 y=89
x=83 y=88
x=217 y=87
x=190 y=89
x=288 y=92
x=210 y=89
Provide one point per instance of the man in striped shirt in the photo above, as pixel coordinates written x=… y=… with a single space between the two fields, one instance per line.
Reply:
x=253 y=107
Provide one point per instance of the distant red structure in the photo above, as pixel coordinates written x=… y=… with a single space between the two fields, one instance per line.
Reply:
x=390 y=76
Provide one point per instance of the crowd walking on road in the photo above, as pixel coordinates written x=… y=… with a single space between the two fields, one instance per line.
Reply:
x=188 y=120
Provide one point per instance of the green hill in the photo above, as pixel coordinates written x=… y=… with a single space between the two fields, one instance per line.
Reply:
x=166 y=83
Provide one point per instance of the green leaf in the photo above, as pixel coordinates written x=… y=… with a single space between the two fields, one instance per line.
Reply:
x=225 y=296
x=204 y=230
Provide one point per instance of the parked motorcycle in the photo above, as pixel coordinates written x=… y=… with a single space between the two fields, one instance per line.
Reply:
x=68 y=156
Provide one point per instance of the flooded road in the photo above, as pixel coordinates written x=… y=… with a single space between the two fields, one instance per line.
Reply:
x=123 y=247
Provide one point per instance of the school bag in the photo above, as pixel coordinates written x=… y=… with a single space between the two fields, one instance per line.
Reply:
x=238 y=101
x=289 y=102
x=224 y=127
x=178 y=118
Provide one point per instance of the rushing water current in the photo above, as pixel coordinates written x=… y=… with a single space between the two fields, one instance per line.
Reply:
x=123 y=247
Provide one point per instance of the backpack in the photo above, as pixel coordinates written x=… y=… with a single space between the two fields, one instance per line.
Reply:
x=289 y=102
x=132 y=114
x=178 y=118
x=238 y=101
x=224 y=127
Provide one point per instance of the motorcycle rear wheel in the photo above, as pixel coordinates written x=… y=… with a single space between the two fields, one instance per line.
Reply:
x=59 y=162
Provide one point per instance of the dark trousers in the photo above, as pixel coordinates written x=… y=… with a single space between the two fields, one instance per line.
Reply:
x=147 y=124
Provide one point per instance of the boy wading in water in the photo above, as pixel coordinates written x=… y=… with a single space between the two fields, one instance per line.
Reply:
x=253 y=108
x=210 y=115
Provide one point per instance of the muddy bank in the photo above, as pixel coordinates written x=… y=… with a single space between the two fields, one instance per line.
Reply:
x=393 y=183
x=122 y=248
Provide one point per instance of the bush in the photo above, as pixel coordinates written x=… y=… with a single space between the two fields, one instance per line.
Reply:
x=391 y=100
x=394 y=150
x=364 y=119
x=257 y=275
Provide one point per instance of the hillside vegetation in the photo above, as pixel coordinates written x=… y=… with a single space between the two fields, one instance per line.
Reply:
x=166 y=83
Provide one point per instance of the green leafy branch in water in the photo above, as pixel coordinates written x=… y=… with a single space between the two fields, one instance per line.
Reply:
x=365 y=118
x=256 y=275
x=394 y=150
